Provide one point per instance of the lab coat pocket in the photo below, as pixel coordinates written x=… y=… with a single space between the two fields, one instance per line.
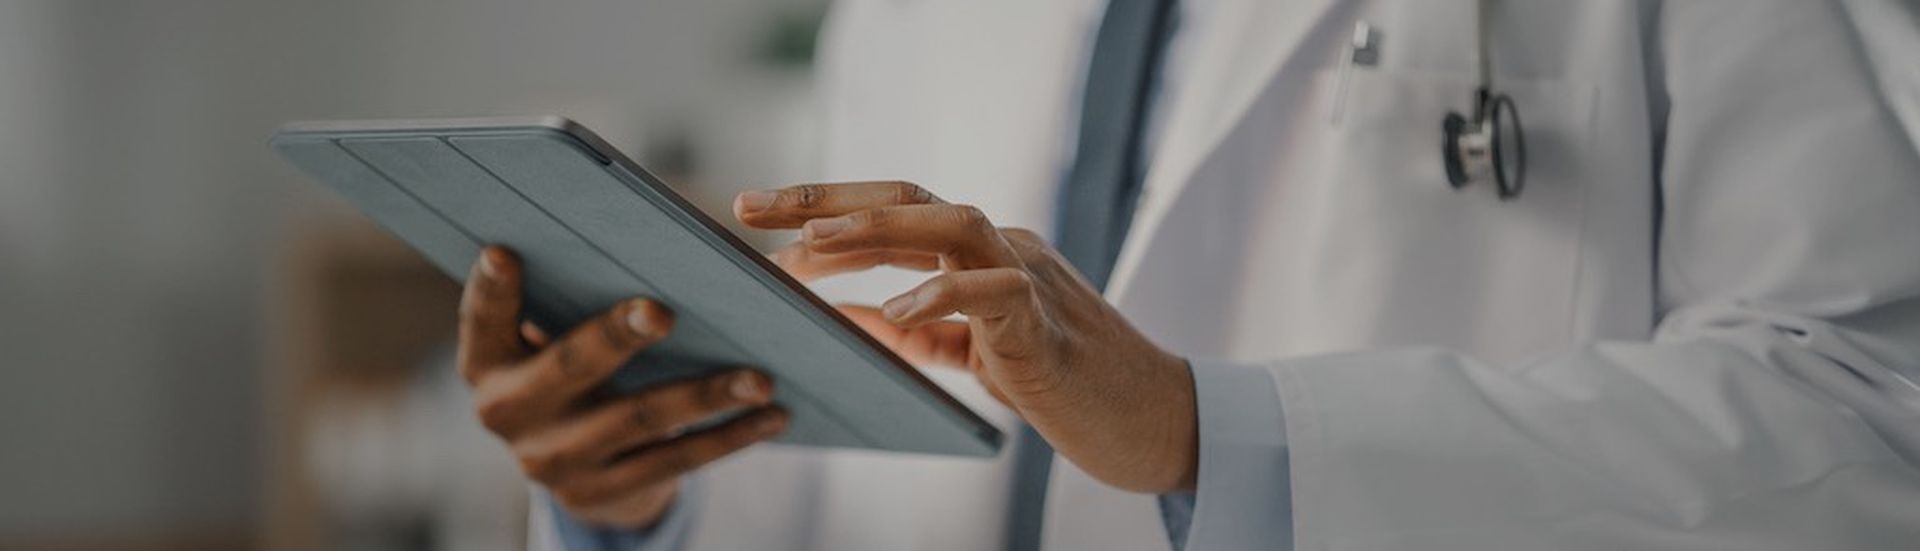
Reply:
x=1464 y=269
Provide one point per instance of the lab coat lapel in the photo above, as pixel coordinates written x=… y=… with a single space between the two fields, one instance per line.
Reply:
x=1233 y=62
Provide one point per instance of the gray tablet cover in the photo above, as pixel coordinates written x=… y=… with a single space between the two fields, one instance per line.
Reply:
x=593 y=228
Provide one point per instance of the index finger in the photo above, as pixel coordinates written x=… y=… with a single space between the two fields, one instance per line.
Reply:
x=788 y=208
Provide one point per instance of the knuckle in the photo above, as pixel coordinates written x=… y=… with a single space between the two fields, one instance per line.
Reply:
x=807 y=196
x=1020 y=280
x=568 y=360
x=909 y=193
x=974 y=219
x=970 y=214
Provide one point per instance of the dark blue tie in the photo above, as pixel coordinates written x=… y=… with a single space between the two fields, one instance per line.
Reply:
x=1096 y=204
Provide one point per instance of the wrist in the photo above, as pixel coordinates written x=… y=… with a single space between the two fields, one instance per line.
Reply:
x=638 y=512
x=1158 y=426
x=1134 y=426
x=653 y=505
x=656 y=503
x=1177 y=442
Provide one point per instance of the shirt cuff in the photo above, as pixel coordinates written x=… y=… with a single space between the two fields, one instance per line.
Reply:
x=669 y=534
x=1244 y=496
x=1176 y=512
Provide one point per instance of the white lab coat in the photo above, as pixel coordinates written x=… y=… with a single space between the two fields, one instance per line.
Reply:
x=1698 y=328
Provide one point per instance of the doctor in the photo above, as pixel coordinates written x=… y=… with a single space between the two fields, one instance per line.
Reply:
x=1696 y=325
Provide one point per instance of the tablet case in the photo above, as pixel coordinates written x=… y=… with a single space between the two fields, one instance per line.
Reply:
x=593 y=229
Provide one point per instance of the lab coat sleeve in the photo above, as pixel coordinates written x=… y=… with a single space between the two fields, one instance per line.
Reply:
x=1773 y=407
x=559 y=530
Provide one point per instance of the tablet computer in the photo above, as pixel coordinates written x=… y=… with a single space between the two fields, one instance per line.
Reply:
x=592 y=228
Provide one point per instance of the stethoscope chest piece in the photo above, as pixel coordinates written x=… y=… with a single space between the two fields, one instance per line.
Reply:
x=1489 y=146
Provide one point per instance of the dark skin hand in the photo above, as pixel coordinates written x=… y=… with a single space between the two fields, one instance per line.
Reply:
x=608 y=460
x=1035 y=333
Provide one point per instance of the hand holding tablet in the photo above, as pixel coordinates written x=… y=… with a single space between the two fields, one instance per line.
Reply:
x=592 y=231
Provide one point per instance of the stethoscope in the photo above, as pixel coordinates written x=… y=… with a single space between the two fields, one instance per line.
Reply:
x=1490 y=145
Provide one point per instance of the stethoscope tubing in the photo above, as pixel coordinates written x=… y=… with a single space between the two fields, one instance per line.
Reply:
x=1495 y=125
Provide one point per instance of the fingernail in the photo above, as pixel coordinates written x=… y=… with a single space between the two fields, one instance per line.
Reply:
x=755 y=201
x=490 y=262
x=745 y=387
x=898 y=307
x=637 y=318
x=825 y=227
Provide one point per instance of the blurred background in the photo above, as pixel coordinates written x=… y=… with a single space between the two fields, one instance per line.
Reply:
x=204 y=350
